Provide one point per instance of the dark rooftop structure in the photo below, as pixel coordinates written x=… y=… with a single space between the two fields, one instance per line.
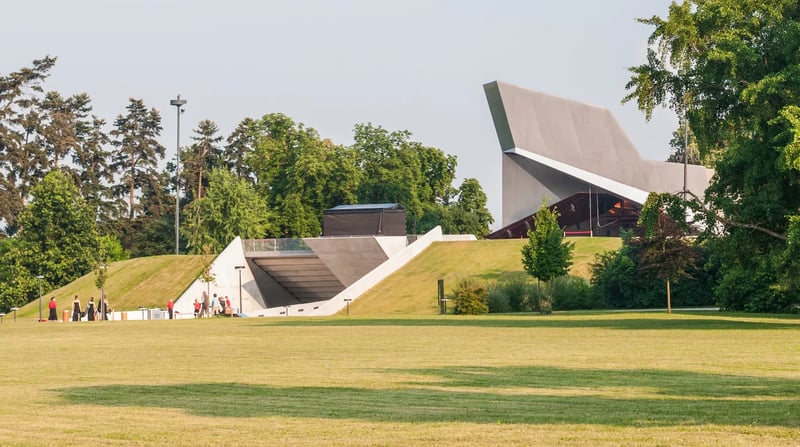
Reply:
x=380 y=219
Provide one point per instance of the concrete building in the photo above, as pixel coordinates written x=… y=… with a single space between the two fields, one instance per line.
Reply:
x=579 y=158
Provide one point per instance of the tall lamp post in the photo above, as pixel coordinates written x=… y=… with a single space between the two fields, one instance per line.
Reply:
x=239 y=268
x=178 y=103
x=39 y=277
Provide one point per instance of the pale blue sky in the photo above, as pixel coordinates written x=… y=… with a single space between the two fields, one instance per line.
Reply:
x=415 y=65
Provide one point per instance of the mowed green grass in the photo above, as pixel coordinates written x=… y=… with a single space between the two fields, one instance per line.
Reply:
x=413 y=289
x=130 y=284
x=587 y=379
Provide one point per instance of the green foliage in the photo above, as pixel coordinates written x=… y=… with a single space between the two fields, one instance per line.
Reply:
x=58 y=240
x=469 y=297
x=229 y=209
x=200 y=158
x=299 y=174
x=497 y=300
x=731 y=66
x=621 y=281
x=112 y=249
x=546 y=255
x=468 y=214
x=138 y=151
x=573 y=293
x=398 y=170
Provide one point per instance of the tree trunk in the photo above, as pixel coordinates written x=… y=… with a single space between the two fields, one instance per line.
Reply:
x=669 y=300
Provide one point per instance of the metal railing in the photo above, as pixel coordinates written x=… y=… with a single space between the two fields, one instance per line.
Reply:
x=275 y=245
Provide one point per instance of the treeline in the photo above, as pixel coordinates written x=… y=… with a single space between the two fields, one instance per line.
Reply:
x=66 y=178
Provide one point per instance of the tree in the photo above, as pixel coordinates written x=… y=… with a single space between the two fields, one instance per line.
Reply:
x=678 y=146
x=300 y=174
x=468 y=214
x=92 y=173
x=203 y=156
x=230 y=208
x=664 y=251
x=241 y=144
x=21 y=158
x=58 y=236
x=546 y=255
x=731 y=67
x=138 y=150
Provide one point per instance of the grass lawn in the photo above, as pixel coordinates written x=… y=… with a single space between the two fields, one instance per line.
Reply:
x=583 y=379
x=133 y=283
x=412 y=290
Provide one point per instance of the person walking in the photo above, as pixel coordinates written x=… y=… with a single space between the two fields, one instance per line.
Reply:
x=90 y=311
x=53 y=310
x=170 y=307
x=76 y=309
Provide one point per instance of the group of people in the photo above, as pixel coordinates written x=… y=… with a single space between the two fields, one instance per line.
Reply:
x=208 y=307
x=91 y=312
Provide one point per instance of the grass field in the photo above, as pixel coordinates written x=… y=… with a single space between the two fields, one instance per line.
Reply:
x=412 y=290
x=583 y=379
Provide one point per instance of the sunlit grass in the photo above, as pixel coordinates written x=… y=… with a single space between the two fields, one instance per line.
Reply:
x=570 y=378
x=413 y=289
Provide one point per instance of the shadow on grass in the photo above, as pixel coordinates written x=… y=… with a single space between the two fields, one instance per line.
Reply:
x=536 y=321
x=487 y=395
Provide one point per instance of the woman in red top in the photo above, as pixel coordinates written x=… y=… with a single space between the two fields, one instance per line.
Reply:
x=170 y=306
x=53 y=314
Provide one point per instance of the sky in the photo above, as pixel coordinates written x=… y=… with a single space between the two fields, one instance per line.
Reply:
x=411 y=65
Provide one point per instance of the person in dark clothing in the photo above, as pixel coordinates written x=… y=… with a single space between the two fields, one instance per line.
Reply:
x=90 y=312
x=76 y=309
x=53 y=310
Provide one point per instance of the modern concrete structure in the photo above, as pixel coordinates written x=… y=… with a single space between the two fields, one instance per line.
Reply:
x=305 y=277
x=578 y=157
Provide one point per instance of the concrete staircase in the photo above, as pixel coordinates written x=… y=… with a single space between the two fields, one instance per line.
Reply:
x=301 y=274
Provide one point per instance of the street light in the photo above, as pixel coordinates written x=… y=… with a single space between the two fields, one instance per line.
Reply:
x=240 y=268
x=40 y=277
x=178 y=103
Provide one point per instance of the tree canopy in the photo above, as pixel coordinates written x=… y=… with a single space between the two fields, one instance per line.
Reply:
x=732 y=68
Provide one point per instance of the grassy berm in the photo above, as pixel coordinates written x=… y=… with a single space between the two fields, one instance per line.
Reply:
x=150 y=282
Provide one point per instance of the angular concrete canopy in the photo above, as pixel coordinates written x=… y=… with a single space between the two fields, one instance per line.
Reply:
x=556 y=147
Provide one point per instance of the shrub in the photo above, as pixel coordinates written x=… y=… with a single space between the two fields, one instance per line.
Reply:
x=572 y=292
x=497 y=300
x=469 y=297
x=518 y=290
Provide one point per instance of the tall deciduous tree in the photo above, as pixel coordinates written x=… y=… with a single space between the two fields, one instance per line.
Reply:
x=468 y=214
x=732 y=66
x=230 y=208
x=300 y=174
x=138 y=151
x=58 y=235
